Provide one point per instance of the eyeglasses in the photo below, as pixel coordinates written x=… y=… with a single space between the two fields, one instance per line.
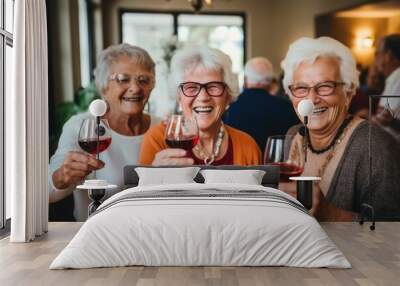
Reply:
x=143 y=81
x=213 y=88
x=322 y=89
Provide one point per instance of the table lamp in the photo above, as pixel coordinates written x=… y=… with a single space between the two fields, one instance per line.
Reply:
x=96 y=188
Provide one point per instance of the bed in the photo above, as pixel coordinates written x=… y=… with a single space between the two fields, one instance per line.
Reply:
x=201 y=223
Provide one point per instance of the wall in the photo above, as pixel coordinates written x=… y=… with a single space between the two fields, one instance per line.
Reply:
x=348 y=30
x=271 y=24
x=293 y=19
x=394 y=25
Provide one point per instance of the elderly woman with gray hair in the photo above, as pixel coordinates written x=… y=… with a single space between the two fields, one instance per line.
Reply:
x=125 y=77
x=204 y=83
x=338 y=146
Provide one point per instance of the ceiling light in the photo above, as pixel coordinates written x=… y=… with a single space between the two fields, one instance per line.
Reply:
x=197 y=5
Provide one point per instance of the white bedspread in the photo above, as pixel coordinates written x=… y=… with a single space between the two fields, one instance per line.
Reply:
x=207 y=230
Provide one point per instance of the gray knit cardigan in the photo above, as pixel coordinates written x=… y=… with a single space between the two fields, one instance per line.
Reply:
x=354 y=183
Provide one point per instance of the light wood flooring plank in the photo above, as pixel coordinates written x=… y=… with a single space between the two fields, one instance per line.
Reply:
x=374 y=255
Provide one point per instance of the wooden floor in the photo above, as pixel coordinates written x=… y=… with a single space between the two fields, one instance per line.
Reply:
x=374 y=255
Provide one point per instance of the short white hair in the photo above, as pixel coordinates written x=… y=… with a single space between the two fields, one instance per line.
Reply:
x=309 y=50
x=204 y=57
x=259 y=70
x=111 y=54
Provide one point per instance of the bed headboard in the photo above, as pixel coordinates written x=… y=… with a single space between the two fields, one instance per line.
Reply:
x=270 y=179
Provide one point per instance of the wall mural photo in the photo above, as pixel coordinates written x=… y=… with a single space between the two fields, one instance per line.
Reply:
x=183 y=91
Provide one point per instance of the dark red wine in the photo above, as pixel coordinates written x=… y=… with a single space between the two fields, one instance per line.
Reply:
x=288 y=170
x=186 y=143
x=90 y=145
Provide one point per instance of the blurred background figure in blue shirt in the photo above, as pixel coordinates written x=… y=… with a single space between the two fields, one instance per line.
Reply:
x=257 y=111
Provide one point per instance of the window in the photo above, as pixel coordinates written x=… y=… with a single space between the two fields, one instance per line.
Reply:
x=6 y=44
x=155 y=31
x=223 y=32
x=140 y=29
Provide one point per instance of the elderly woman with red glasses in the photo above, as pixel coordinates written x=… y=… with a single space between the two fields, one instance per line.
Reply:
x=338 y=144
x=204 y=83
x=125 y=78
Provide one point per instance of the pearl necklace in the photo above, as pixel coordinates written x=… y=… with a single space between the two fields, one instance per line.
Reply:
x=208 y=160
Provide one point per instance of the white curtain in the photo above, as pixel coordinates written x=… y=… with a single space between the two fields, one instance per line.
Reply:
x=27 y=123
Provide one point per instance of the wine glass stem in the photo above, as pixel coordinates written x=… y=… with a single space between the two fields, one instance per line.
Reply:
x=98 y=142
x=305 y=149
x=306 y=137
x=98 y=137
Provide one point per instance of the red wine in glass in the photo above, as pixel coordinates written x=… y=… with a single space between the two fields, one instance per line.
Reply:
x=277 y=153
x=90 y=144
x=181 y=132
x=288 y=170
x=92 y=138
x=186 y=143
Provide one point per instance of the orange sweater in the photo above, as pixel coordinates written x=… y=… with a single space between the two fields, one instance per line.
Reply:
x=245 y=150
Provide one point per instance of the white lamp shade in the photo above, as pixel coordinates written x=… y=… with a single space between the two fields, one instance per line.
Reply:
x=305 y=107
x=98 y=107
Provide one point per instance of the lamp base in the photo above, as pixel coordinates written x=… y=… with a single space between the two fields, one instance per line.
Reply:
x=95 y=195
x=304 y=190
x=96 y=192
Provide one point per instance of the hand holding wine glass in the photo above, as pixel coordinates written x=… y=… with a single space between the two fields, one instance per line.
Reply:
x=76 y=166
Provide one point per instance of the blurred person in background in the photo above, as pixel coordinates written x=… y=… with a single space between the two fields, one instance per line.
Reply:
x=371 y=83
x=388 y=61
x=257 y=111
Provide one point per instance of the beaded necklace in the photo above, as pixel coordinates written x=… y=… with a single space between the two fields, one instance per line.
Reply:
x=209 y=159
x=332 y=153
x=339 y=133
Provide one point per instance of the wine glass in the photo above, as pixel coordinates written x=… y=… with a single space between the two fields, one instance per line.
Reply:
x=92 y=138
x=282 y=150
x=181 y=132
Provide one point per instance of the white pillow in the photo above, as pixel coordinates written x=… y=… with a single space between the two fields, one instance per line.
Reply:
x=163 y=176
x=249 y=177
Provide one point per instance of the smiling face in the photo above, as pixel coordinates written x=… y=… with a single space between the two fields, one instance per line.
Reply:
x=329 y=111
x=127 y=93
x=206 y=109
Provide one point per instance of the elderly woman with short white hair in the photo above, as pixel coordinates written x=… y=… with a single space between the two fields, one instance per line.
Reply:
x=205 y=85
x=324 y=71
x=125 y=78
